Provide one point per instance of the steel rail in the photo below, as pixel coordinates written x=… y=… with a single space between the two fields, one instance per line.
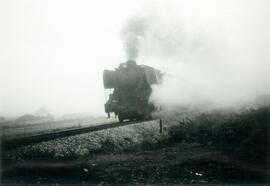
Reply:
x=28 y=140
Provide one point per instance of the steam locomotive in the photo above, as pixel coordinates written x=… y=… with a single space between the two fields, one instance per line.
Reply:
x=131 y=84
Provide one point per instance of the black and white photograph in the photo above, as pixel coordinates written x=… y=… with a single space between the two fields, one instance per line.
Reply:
x=134 y=92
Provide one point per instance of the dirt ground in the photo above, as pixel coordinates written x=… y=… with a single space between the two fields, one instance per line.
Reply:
x=177 y=164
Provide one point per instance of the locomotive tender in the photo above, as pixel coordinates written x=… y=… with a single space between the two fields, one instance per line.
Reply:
x=131 y=84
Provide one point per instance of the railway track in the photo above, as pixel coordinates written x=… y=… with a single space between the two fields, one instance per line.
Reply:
x=9 y=143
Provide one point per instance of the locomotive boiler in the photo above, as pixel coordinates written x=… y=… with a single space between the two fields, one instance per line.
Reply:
x=131 y=84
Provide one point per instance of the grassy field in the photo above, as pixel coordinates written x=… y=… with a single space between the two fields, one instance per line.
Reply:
x=196 y=147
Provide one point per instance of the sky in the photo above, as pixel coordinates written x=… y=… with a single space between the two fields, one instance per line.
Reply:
x=53 y=52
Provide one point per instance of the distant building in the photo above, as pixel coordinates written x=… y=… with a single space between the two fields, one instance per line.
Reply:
x=31 y=119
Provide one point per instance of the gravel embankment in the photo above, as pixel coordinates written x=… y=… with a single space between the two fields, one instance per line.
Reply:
x=110 y=140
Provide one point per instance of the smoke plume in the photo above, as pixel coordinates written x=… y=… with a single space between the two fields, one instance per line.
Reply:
x=209 y=60
x=132 y=33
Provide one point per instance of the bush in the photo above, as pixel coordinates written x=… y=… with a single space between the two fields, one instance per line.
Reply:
x=245 y=134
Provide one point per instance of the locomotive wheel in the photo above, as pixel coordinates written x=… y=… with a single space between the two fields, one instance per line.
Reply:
x=120 y=118
x=149 y=116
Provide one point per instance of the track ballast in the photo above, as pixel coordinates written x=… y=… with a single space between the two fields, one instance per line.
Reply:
x=28 y=140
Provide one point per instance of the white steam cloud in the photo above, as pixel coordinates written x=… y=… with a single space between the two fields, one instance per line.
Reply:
x=217 y=60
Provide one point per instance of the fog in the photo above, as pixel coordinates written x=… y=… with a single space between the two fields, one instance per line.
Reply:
x=52 y=53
